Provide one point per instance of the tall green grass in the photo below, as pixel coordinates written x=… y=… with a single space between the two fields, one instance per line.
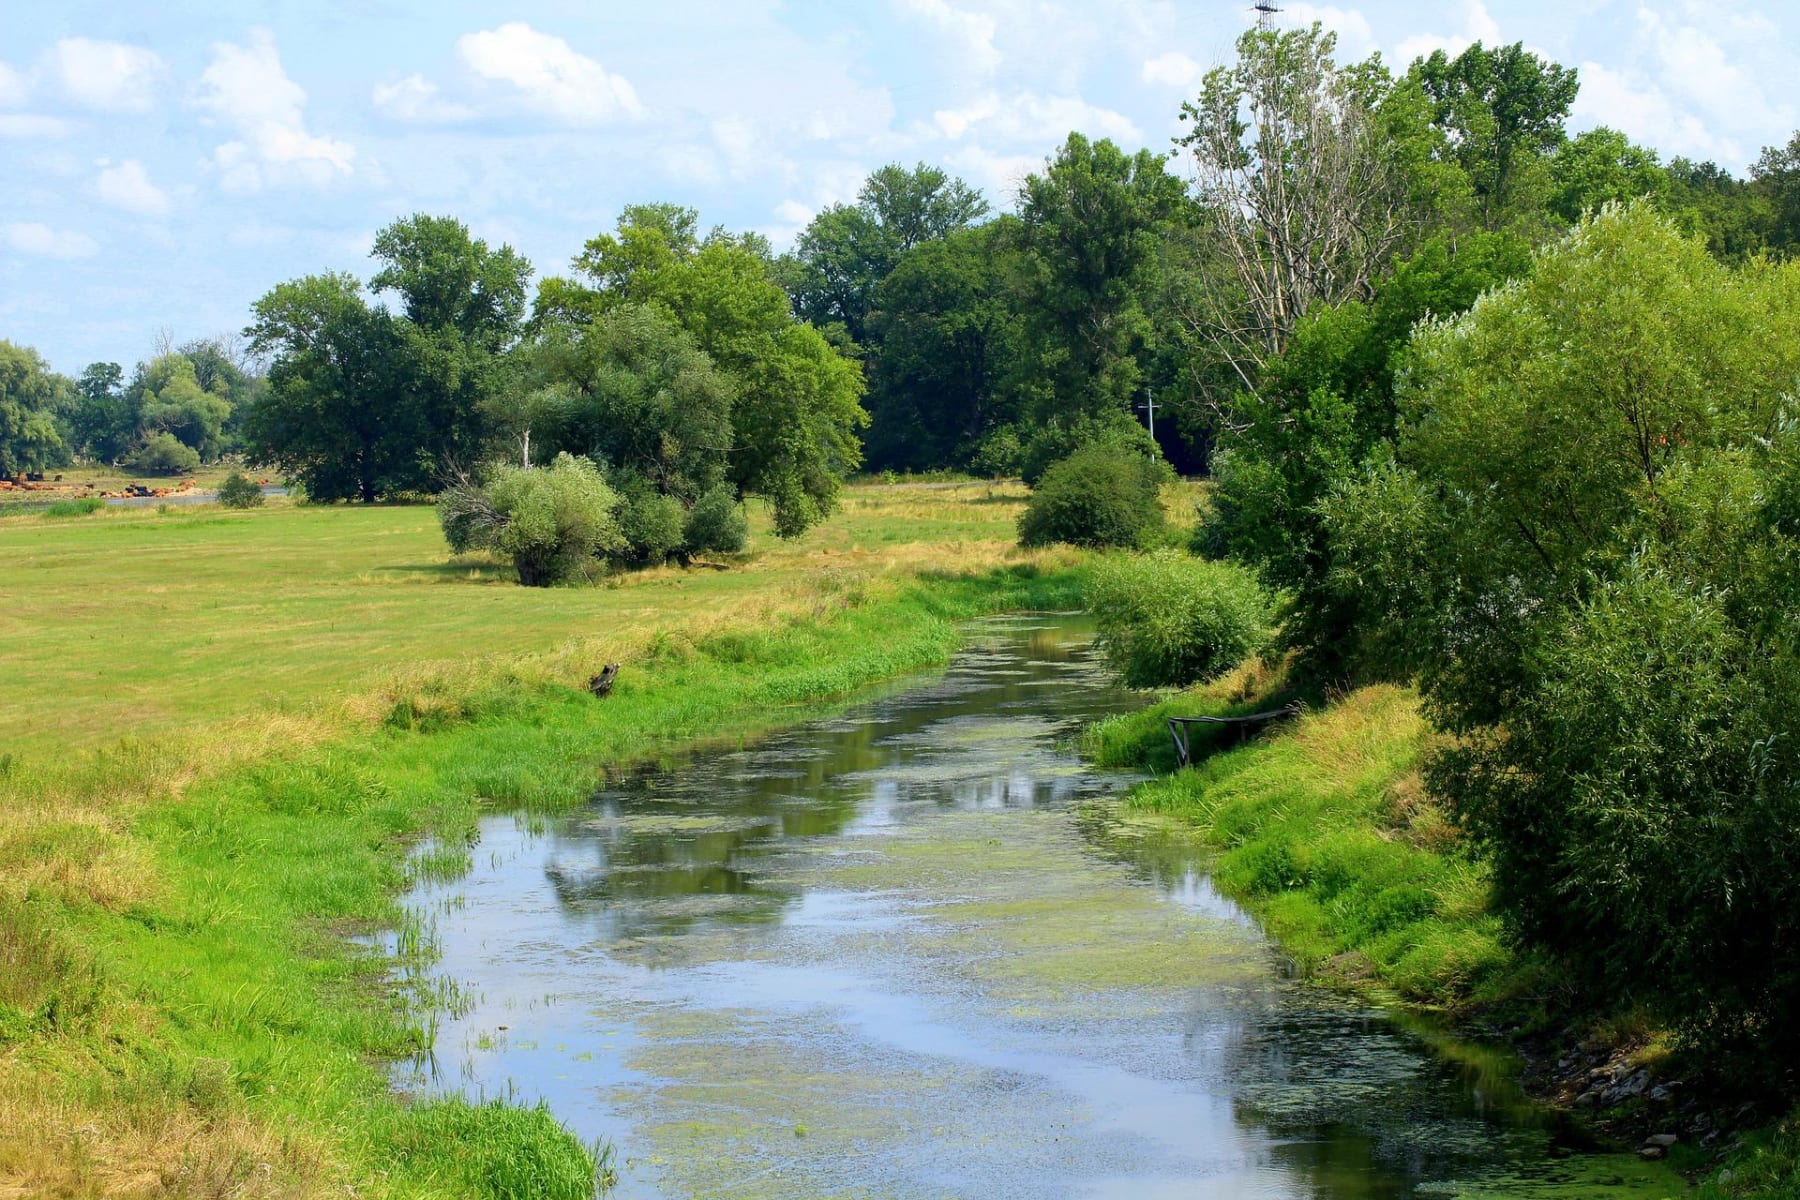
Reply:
x=75 y=508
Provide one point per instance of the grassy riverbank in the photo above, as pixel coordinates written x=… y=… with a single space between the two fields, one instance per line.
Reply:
x=1324 y=828
x=181 y=1009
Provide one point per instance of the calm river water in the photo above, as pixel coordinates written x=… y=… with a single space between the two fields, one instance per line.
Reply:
x=914 y=952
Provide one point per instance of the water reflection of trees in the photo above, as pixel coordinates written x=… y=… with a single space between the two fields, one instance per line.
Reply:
x=664 y=852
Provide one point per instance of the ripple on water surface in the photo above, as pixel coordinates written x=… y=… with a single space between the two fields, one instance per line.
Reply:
x=906 y=952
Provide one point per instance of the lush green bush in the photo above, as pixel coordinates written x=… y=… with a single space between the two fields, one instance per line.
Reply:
x=1058 y=438
x=716 y=524
x=163 y=454
x=75 y=508
x=1169 y=619
x=237 y=491
x=551 y=521
x=1099 y=496
x=653 y=524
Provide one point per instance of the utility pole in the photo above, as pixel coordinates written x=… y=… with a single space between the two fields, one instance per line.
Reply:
x=1265 y=15
x=1149 y=407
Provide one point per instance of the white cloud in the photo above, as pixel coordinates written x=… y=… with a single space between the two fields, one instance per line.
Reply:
x=247 y=90
x=14 y=87
x=1478 y=26
x=549 y=74
x=25 y=125
x=971 y=32
x=794 y=213
x=1645 y=113
x=999 y=175
x=1041 y=120
x=1356 y=39
x=128 y=186
x=1174 y=69
x=107 y=76
x=417 y=99
x=31 y=237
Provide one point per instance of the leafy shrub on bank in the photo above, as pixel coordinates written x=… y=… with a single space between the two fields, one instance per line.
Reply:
x=1167 y=619
x=551 y=521
x=163 y=454
x=1099 y=496
x=237 y=491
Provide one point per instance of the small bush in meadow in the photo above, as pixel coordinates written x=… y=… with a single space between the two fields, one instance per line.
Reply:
x=1099 y=496
x=1168 y=619
x=237 y=491
x=551 y=521
x=717 y=524
x=654 y=525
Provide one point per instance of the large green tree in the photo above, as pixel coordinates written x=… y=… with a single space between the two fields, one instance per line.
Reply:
x=333 y=417
x=1588 y=545
x=846 y=251
x=1090 y=227
x=361 y=402
x=1504 y=110
x=797 y=400
x=951 y=349
x=31 y=398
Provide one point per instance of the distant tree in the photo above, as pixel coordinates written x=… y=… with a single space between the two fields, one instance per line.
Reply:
x=1733 y=216
x=1776 y=177
x=333 y=417
x=630 y=389
x=31 y=398
x=163 y=453
x=951 y=357
x=797 y=404
x=847 y=250
x=1090 y=226
x=1303 y=194
x=462 y=308
x=1602 y=165
x=103 y=422
x=1504 y=110
x=169 y=399
x=361 y=403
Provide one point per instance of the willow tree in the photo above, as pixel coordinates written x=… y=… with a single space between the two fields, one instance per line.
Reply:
x=1303 y=193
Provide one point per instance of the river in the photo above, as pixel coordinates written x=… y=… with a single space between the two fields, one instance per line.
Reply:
x=915 y=951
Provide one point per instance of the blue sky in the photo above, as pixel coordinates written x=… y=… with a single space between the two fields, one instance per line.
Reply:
x=162 y=164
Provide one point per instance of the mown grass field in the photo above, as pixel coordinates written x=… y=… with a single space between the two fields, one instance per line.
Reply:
x=138 y=622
